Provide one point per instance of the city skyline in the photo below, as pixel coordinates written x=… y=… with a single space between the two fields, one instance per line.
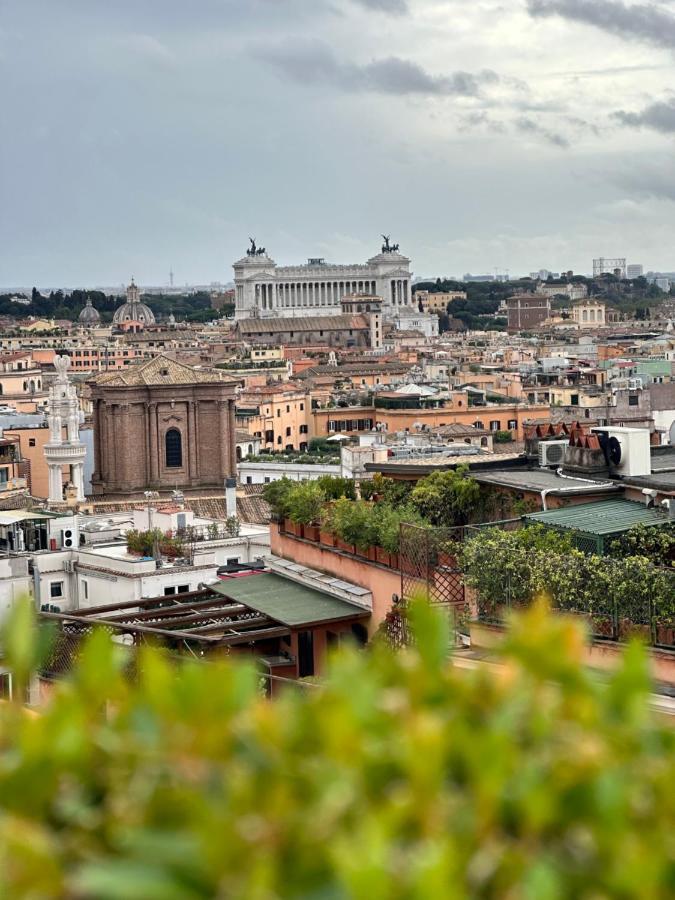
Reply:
x=149 y=136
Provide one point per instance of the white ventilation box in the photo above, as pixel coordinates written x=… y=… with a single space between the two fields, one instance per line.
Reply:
x=552 y=453
x=627 y=450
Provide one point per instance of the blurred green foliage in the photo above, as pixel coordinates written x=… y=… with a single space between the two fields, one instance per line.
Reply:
x=400 y=777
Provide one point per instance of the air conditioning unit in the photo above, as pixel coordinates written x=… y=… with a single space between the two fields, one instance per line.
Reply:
x=552 y=453
x=67 y=538
x=627 y=450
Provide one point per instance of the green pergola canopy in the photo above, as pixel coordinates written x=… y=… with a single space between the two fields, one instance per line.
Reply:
x=288 y=602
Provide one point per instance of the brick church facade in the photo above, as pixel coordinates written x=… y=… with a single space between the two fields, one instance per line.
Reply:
x=161 y=425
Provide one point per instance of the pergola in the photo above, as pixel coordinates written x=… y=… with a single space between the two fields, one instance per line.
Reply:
x=204 y=618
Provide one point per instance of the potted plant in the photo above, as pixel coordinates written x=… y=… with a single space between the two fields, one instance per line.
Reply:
x=304 y=503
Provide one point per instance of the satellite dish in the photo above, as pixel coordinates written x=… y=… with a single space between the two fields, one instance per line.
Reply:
x=614 y=451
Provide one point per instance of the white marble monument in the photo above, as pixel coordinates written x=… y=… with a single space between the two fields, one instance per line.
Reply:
x=264 y=289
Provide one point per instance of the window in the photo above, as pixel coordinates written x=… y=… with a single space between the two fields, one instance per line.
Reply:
x=85 y=590
x=288 y=432
x=574 y=399
x=169 y=591
x=56 y=590
x=182 y=588
x=495 y=425
x=31 y=442
x=279 y=439
x=232 y=561
x=633 y=400
x=278 y=413
x=302 y=407
x=174 y=449
x=288 y=409
x=303 y=429
x=249 y=479
x=513 y=424
x=267 y=479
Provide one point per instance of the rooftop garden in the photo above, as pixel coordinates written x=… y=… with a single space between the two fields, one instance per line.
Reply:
x=630 y=592
x=327 y=509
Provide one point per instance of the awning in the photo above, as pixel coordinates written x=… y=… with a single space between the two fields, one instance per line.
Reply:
x=287 y=601
x=12 y=516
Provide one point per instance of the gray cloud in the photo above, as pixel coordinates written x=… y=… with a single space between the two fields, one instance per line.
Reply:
x=659 y=116
x=313 y=62
x=399 y=7
x=641 y=22
x=529 y=126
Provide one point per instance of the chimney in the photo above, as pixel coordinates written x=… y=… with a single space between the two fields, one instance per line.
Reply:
x=231 y=496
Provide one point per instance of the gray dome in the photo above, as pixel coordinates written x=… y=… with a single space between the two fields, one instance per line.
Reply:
x=89 y=315
x=134 y=312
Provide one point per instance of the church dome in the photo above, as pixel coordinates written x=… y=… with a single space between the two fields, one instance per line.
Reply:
x=89 y=315
x=133 y=310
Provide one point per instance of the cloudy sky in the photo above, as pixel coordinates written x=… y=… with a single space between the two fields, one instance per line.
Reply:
x=139 y=135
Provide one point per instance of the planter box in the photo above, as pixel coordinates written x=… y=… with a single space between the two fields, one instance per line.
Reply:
x=346 y=548
x=368 y=554
x=628 y=630
x=326 y=539
x=311 y=533
x=394 y=561
x=665 y=634
x=382 y=556
x=292 y=528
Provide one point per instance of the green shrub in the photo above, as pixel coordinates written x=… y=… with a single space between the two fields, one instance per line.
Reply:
x=276 y=493
x=502 y=437
x=334 y=487
x=388 y=520
x=305 y=502
x=352 y=521
x=446 y=498
x=400 y=777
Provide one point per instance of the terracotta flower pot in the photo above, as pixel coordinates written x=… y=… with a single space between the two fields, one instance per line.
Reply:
x=346 y=548
x=382 y=556
x=293 y=528
x=394 y=561
x=327 y=539
x=311 y=532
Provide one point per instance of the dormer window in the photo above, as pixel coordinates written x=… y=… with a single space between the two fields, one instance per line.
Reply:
x=163 y=371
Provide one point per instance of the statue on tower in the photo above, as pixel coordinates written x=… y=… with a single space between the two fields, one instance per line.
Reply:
x=61 y=364
x=252 y=250
x=387 y=247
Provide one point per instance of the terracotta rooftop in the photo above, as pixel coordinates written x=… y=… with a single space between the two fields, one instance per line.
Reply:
x=159 y=370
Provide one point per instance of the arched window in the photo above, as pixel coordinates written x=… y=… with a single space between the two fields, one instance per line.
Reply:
x=238 y=454
x=174 y=449
x=250 y=449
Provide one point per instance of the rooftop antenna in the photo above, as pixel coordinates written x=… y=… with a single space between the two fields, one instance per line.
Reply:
x=170 y=277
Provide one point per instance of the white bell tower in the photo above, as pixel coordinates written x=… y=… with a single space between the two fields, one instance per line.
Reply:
x=64 y=410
